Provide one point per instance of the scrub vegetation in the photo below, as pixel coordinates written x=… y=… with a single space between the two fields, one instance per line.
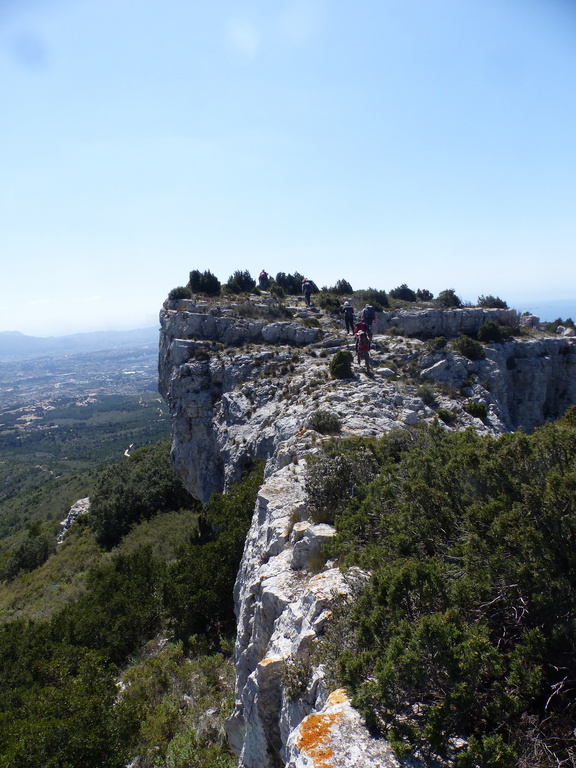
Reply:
x=461 y=645
x=119 y=643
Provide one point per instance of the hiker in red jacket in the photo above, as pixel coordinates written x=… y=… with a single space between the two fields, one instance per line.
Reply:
x=362 y=345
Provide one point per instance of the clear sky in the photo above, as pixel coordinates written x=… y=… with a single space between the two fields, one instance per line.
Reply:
x=431 y=142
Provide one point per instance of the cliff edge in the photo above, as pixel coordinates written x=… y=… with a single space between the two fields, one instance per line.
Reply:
x=242 y=383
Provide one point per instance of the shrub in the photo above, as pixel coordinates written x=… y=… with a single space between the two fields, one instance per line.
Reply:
x=181 y=292
x=426 y=394
x=342 y=287
x=277 y=291
x=333 y=480
x=490 y=331
x=341 y=365
x=328 y=302
x=476 y=409
x=403 y=293
x=448 y=298
x=424 y=295
x=324 y=422
x=553 y=326
x=133 y=490
x=490 y=301
x=470 y=348
x=30 y=554
x=448 y=417
x=437 y=343
x=240 y=282
x=470 y=542
x=204 y=282
x=378 y=299
x=296 y=673
x=278 y=311
x=291 y=284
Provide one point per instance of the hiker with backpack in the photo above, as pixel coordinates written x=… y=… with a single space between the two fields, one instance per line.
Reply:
x=306 y=290
x=348 y=312
x=263 y=280
x=369 y=315
x=362 y=344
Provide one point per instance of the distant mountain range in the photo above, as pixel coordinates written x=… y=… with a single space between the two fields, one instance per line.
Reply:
x=17 y=346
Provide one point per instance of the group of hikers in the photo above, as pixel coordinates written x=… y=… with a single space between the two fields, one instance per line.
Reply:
x=362 y=330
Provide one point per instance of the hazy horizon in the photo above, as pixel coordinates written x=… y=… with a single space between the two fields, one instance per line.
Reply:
x=384 y=143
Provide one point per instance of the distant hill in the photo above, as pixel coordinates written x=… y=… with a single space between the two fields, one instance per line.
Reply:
x=17 y=346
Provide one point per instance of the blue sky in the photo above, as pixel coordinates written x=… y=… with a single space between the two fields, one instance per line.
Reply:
x=430 y=142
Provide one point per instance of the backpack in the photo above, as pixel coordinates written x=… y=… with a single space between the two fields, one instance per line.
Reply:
x=369 y=314
x=363 y=342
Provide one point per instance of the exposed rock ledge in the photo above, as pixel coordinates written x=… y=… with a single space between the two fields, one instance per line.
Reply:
x=229 y=405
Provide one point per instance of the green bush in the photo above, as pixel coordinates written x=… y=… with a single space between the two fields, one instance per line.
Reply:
x=204 y=282
x=378 y=299
x=328 y=302
x=448 y=417
x=426 y=394
x=181 y=292
x=240 y=282
x=476 y=409
x=492 y=302
x=553 y=326
x=422 y=294
x=136 y=489
x=403 y=293
x=28 y=555
x=341 y=365
x=461 y=645
x=470 y=348
x=277 y=291
x=490 y=331
x=448 y=298
x=342 y=287
x=437 y=343
x=200 y=582
x=291 y=284
x=334 y=479
x=324 y=422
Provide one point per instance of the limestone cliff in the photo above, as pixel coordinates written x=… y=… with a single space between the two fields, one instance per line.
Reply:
x=241 y=384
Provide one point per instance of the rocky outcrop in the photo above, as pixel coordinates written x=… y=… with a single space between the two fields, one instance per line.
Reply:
x=427 y=323
x=80 y=507
x=240 y=389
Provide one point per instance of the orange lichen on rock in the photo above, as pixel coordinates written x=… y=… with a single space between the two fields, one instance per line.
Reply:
x=337 y=697
x=314 y=738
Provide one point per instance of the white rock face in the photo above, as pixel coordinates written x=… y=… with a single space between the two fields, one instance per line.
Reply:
x=231 y=404
x=427 y=323
x=80 y=507
x=335 y=736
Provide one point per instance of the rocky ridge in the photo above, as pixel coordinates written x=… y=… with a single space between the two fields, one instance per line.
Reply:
x=241 y=384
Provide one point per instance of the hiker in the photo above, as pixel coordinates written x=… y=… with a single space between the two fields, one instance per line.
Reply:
x=363 y=347
x=369 y=315
x=348 y=312
x=263 y=280
x=306 y=290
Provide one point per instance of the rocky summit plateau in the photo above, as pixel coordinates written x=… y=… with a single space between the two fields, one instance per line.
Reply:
x=242 y=382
